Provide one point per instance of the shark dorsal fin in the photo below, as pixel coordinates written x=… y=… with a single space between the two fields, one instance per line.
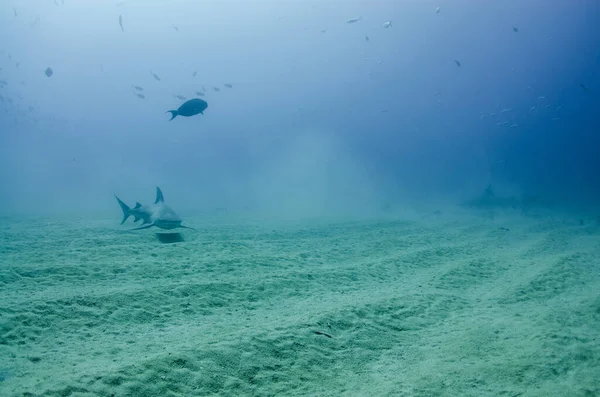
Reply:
x=159 y=196
x=137 y=205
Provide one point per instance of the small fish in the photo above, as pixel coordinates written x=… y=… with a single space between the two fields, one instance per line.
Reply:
x=504 y=229
x=56 y=3
x=155 y=76
x=457 y=63
x=531 y=109
x=502 y=123
x=437 y=10
x=513 y=126
x=194 y=74
x=505 y=110
x=180 y=97
x=515 y=29
x=367 y=38
x=227 y=85
x=482 y=116
x=199 y=93
x=121 y=23
x=15 y=11
x=49 y=72
x=203 y=89
x=137 y=87
x=141 y=96
x=541 y=97
x=353 y=20
x=176 y=28
x=387 y=24
x=216 y=89
x=584 y=87
x=323 y=30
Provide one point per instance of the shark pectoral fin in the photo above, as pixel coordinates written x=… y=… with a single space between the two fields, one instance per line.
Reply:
x=144 y=227
x=137 y=204
x=186 y=227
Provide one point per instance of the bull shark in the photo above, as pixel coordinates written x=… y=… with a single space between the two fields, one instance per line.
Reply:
x=158 y=214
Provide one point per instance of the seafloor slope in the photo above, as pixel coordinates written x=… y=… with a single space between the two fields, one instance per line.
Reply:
x=443 y=306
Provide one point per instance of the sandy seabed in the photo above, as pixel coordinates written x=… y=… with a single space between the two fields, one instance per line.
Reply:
x=436 y=305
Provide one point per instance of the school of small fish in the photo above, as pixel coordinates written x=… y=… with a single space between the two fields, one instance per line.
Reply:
x=504 y=116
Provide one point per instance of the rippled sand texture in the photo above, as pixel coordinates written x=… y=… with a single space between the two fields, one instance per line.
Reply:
x=442 y=306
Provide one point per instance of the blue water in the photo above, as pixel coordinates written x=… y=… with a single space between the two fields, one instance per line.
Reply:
x=313 y=104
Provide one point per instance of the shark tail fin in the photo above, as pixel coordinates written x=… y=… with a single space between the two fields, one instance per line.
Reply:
x=125 y=208
x=173 y=114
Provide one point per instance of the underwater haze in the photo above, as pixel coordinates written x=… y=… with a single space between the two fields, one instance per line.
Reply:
x=390 y=198
x=318 y=119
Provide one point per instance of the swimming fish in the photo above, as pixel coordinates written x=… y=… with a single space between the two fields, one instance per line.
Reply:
x=180 y=97
x=49 y=72
x=367 y=38
x=138 y=88
x=584 y=87
x=121 y=23
x=199 y=93
x=194 y=74
x=141 y=96
x=437 y=10
x=353 y=20
x=155 y=76
x=227 y=85
x=216 y=89
x=457 y=63
x=176 y=28
x=190 y=108
x=387 y=24
x=158 y=214
x=515 y=29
